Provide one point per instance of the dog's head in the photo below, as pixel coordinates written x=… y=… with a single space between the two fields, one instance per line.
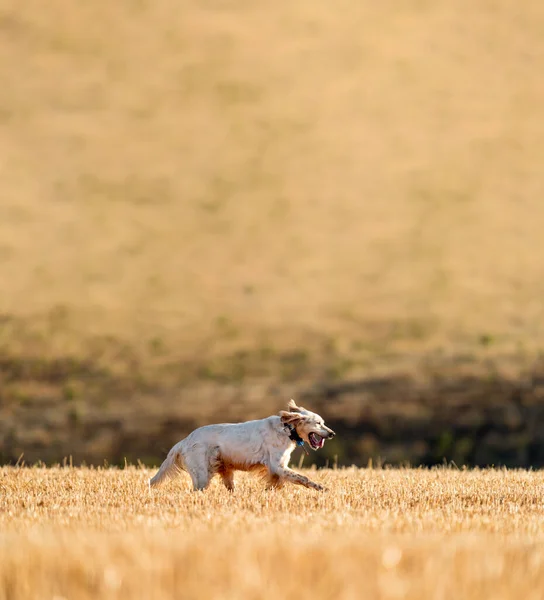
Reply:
x=309 y=426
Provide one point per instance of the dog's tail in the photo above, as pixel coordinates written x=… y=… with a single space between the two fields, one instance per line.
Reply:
x=169 y=468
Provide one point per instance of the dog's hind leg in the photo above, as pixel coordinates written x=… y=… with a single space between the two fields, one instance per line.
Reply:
x=202 y=464
x=198 y=470
x=201 y=480
x=227 y=475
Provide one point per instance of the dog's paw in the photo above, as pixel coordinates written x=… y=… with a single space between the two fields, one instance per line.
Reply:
x=320 y=488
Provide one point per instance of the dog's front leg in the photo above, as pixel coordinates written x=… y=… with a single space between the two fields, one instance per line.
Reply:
x=282 y=474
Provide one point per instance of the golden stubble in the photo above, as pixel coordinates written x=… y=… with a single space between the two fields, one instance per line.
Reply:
x=80 y=533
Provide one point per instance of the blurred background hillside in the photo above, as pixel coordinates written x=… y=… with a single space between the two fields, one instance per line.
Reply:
x=209 y=207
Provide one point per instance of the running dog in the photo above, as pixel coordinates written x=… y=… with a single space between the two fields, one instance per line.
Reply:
x=264 y=446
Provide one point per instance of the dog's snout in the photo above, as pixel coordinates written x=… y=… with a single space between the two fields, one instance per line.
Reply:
x=331 y=433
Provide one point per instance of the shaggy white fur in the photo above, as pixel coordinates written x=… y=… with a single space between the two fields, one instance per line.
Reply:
x=264 y=446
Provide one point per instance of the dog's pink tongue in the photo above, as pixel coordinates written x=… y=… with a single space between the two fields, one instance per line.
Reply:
x=321 y=443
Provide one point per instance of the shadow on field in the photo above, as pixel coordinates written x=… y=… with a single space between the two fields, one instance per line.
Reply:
x=469 y=420
x=64 y=408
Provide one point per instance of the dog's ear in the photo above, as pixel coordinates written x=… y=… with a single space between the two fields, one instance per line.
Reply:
x=292 y=406
x=289 y=417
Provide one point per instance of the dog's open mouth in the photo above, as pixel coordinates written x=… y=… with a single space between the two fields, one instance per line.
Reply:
x=316 y=441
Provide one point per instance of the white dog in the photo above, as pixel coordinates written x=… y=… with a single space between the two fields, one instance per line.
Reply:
x=264 y=446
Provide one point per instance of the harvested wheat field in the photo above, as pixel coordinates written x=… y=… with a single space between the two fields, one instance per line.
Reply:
x=229 y=176
x=411 y=534
x=201 y=202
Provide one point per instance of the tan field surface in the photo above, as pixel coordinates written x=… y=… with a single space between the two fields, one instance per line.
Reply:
x=210 y=206
x=377 y=534
x=197 y=177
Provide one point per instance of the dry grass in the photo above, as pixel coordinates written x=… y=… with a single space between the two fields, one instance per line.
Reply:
x=410 y=534
x=251 y=173
x=224 y=191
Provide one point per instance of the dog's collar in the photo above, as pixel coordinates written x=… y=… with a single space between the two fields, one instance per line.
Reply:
x=293 y=435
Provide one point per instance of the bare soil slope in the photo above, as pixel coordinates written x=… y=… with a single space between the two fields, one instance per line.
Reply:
x=299 y=166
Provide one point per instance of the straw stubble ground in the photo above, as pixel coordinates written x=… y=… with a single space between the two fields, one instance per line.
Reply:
x=79 y=533
x=205 y=196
